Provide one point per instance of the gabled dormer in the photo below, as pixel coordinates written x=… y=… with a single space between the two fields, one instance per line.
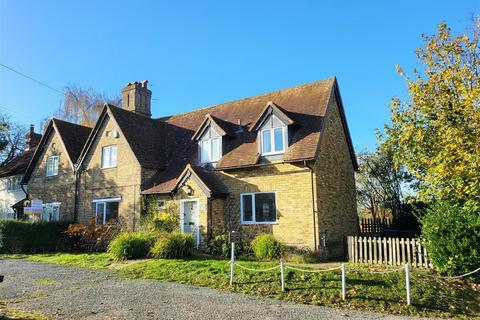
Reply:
x=209 y=136
x=272 y=126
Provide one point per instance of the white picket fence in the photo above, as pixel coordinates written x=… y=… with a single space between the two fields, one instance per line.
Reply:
x=390 y=251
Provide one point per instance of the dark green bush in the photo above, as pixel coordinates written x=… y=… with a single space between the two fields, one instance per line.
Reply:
x=452 y=237
x=266 y=247
x=175 y=245
x=134 y=245
x=33 y=237
x=220 y=246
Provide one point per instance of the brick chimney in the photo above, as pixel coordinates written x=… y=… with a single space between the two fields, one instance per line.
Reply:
x=136 y=98
x=32 y=138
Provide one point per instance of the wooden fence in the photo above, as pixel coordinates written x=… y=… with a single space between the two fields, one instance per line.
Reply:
x=391 y=251
x=374 y=225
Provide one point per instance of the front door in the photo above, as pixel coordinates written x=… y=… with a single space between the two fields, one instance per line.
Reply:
x=189 y=218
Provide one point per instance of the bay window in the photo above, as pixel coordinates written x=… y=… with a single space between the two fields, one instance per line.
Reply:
x=258 y=208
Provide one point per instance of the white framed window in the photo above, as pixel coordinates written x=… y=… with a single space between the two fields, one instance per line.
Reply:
x=272 y=141
x=210 y=150
x=161 y=205
x=109 y=156
x=258 y=208
x=52 y=166
x=106 y=210
x=51 y=212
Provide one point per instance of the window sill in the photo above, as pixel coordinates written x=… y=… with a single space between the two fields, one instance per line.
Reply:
x=257 y=223
x=113 y=167
x=272 y=153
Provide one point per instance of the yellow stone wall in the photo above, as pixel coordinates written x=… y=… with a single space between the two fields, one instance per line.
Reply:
x=124 y=180
x=335 y=185
x=60 y=188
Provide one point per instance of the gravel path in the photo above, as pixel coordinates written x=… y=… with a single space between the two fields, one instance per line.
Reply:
x=62 y=292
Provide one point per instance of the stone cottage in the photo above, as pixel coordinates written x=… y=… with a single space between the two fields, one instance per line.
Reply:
x=281 y=163
x=51 y=175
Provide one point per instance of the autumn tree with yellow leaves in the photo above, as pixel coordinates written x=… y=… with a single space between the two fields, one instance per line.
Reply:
x=436 y=132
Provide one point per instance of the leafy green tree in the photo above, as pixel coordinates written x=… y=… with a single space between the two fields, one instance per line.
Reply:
x=452 y=237
x=435 y=133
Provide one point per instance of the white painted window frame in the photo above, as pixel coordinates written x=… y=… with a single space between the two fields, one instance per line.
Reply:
x=272 y=141
x=54 y=172
x=104 y=201
x=197 y=218
x=210 y=151
x=161 y=204
x=52 y=205
x=242 y=220
x=110 y=148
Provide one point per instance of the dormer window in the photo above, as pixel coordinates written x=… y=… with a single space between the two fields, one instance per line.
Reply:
x=209 y=136
x=210 y=150
x=272 y=126
x=273 y=140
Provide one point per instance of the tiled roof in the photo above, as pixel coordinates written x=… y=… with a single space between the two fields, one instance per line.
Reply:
x=73 y=136
x=305 y=105
x=145 y=136
x=17 y=165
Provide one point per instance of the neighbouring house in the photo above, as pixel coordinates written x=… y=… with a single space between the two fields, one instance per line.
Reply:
x=51 y=175
x=280 y=163
x=11 y=193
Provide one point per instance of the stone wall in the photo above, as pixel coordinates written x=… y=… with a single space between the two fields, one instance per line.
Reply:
x=335 y=185
x=59 y=188
x=123 y=180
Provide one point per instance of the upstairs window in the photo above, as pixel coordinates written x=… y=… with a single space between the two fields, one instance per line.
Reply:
x=273 y=141
x=258 y=208
x=13 y=183
x=52 y=166
x=210 y=150
x=109 y=156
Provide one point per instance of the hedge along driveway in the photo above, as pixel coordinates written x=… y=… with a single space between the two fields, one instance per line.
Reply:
x=386 y=293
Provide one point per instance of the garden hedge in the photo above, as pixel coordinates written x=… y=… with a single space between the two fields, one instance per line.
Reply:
x=32 y=237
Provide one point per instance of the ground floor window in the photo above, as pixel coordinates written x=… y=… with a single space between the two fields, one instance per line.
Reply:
x=106 y=210
x=258 y=208
x=51 y=212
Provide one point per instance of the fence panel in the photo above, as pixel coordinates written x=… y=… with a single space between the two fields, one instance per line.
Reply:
x=391 y=251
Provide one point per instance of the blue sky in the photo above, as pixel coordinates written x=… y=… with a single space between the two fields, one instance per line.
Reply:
x=200 y=53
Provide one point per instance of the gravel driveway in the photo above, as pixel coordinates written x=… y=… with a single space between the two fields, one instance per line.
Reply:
x=62 y=292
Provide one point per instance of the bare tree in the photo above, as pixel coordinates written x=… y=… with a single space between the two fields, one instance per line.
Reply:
x=379 y=183
x=12 y=139
x=83 y=106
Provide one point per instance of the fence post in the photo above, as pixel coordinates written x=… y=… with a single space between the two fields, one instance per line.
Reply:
x=343 y=282
x=282 y=275
x=232 y=263
x=407 y=281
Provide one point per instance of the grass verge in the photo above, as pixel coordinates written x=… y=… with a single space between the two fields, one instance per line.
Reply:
x=384 y=293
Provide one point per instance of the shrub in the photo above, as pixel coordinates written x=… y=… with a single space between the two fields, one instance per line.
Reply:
x=452 y=237
x=32 y=237
x=131 y=245
x=266 y=247
x=175 y=245
x=220 y=246
x=92 y=237
x=164 y=222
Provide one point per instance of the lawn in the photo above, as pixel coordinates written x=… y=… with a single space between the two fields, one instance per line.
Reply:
x=385 y=293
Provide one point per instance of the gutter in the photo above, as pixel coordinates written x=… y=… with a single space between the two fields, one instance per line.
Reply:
x=313 y=205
